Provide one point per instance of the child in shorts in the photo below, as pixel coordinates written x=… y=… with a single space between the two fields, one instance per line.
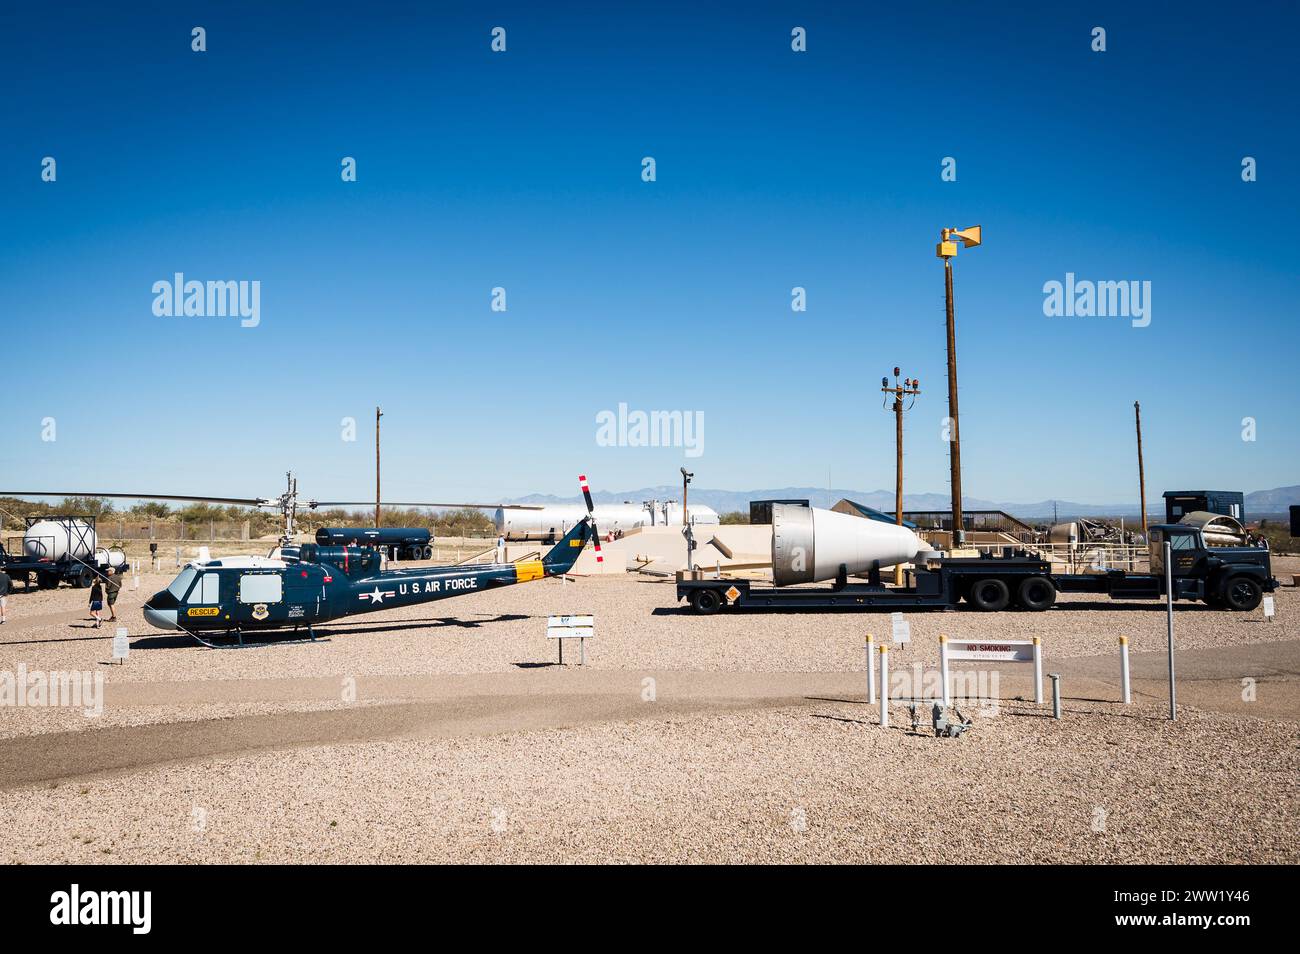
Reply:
x=97 y=603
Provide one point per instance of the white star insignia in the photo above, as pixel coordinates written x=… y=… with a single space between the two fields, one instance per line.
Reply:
x=376 y=596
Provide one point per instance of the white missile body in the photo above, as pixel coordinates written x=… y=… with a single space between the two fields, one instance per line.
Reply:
x=555 y=520
x=810 y=544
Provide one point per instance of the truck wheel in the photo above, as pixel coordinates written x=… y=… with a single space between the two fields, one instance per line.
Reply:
x=706 y=602
x=84 y=578
x=1242 y=594
x=989 y=595
x=427 y=553
x=1036 y=593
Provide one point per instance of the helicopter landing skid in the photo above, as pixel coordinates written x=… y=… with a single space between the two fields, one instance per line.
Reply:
x=256 y=644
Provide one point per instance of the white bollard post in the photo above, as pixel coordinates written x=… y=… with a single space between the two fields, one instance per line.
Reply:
x=943 y=668
x=1038 y=670
x=1126 y=698
x=884 y=687
x=871 y=670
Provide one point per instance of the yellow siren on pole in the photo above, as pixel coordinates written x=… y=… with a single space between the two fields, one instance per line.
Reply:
x=970 y=237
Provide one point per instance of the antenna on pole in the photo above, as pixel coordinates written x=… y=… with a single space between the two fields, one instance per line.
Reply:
x=686 y=483
x=378 y=415
x=908 y=388
x=1142 y=479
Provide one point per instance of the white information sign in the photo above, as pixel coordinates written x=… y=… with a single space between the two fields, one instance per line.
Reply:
x=902 y=629
x=570 y=627
x=121 y=644
x=1008 y=650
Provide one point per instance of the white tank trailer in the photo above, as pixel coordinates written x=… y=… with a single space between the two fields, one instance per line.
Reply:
x=553 y=522
x=69 y=540
x=810 y=544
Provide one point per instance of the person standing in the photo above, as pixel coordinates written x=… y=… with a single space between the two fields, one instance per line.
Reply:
x=5 y=584
x=97 y=602
x=112 y=585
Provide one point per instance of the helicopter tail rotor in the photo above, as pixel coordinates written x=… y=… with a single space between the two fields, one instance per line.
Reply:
x=591 y=515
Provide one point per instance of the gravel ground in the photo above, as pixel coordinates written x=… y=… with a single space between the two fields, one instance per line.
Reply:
x=770 y=782
x=780 y=785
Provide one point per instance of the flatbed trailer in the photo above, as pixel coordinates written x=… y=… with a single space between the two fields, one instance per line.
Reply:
x=1223 y=577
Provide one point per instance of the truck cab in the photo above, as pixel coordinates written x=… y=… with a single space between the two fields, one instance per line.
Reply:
x=1232 y=577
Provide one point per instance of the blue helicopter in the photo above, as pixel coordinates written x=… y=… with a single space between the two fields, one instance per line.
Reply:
x=301 y=586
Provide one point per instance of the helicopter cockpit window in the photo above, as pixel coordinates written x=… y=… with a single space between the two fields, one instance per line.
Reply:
x=207 y=590
x=261 y=588
x=181 y=584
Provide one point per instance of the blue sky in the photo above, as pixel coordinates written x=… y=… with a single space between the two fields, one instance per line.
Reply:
x=523 y=170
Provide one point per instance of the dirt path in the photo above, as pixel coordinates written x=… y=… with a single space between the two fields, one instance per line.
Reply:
x=482 y=704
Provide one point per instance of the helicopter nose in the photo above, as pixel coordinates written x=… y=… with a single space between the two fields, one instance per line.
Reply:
x=160 y=618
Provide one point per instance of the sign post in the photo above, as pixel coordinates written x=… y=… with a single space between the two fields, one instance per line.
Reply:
x=1038 y=670
x=121 y=645
x=902 y=629
x=1169 y=622
x=884 y=687
x=943 y=667
x=1125 y=696
x=581 y=628
x=871 y=670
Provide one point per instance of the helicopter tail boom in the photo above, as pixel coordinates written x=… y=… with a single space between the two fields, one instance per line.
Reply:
x=561 y=557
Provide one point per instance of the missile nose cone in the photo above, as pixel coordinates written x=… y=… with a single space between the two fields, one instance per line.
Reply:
x=810 y=544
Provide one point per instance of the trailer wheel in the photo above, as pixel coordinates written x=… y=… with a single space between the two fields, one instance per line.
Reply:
x=47 y=581
x=1242 y=594
x=989 y=595
x=1036 y=593
x=706 y=602
x=427 y=553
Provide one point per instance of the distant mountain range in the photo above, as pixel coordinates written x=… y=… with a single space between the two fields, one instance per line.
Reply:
x=1258 y=503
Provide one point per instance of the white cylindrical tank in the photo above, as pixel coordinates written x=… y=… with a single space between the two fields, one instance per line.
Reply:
x=554 y=521
x=112 y=556
x=59 y=540
x=810 y=544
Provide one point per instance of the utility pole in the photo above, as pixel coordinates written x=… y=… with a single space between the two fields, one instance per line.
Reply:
x=946 y=249
x=1142 y=479
x=686 y=483
x=378 y=415
x=912 y=388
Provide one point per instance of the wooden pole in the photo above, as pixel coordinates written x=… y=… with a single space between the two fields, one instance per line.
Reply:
x=954 y=434
x=1142 y=479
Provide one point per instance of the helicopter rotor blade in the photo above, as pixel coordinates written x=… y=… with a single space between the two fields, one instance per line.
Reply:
x=314 y=504
x=591 y=515
x=236 y=501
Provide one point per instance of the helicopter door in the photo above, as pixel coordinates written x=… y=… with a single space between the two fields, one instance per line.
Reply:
x=304 y=592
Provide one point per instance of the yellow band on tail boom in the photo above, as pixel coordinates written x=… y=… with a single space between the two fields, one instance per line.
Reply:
x=526 y=570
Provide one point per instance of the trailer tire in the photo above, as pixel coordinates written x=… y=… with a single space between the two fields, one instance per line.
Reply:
x=427 y=553
x=1037 y=593
x=1243 y=594
x=991 y=595
x=706 y=602
x=47 y=581
x=84 y=578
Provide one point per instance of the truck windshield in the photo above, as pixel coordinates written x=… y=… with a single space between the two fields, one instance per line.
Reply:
x=180 y=586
